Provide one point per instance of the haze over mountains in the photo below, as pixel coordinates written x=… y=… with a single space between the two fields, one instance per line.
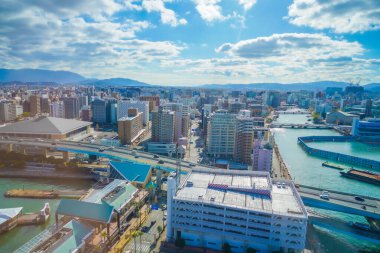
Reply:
x=67 y=77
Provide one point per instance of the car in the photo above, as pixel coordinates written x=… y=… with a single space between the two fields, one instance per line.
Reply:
x=156 y=156
x=145 y=229
x=136 y=156
x=163 y=207
x=191 y=164
x=124 y=227
x=324 y=196
x=358 y=198
x=191 y=142
x=152 y=223
x=165 y=215
x=54 y=143
x=101 y=149
x=161 y=162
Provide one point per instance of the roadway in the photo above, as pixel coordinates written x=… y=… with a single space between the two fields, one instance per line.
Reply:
x=118 y=153
x=341 y=202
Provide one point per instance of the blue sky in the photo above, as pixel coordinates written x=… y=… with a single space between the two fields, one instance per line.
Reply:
x=192 y=42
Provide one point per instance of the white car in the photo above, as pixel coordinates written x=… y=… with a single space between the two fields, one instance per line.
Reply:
x=324 y=196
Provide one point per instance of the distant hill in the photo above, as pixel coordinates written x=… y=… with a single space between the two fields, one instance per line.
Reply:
x=114 y=82
x=39 y=76
x=374 y=87
x=279 y=86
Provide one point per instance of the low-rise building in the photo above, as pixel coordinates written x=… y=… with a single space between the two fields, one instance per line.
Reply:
x=340 y=118
x=244 y=209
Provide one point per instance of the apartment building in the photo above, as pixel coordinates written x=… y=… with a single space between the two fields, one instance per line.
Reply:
x=163 y=126
x=130 y=128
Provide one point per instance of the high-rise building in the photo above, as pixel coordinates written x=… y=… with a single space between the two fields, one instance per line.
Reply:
x=163 y=126
x=154 y=102
x=45 y=105
x=130 y=128
x=57 y=109
x=83 y=101
x=221 y=134
x=272 y=98
x=4 y=112
x=86 y=113
x=35 y=105
x=244 y=139
x=142 y=106
x=71 y=107
x=214 y=207
x=99 y=111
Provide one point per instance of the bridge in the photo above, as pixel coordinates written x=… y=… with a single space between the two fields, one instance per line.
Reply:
x=117 y=153
x=307 y=126
x=343 y=202
x=292 y=112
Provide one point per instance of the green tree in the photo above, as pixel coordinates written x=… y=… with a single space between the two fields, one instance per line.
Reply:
x=136 y=234
x=323 y=115
x=180 y=242
x=251 y=250
x=159 y=229
x=226 y=247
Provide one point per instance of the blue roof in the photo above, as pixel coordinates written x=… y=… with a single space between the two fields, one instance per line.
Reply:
x=85 y=210
x=133 y=172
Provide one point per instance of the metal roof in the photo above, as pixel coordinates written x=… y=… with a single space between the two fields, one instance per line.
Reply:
x=44 y=125
x=133 y=172
x=85 y=210
x=8 y=214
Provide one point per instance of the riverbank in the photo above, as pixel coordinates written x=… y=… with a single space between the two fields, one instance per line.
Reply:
x=43 y=174
x=279 y=169
x=43 y=194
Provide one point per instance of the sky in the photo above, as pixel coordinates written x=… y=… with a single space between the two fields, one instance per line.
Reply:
x=192 y=42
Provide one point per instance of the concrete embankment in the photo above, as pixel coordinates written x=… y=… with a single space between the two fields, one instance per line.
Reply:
x=279 y=169
x=43 y=194
x=41 y=175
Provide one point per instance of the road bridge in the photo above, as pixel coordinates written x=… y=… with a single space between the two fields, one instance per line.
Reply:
x=343 y=202
x=306 y=126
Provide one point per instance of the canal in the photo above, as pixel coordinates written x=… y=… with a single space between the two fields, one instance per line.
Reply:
x=308 y=170
x=10 y=241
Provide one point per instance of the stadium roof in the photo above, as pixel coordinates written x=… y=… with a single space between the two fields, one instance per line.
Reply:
x=85 y=210
x=44 y=125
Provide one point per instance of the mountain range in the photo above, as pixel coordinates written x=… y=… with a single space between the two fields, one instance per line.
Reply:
x=66 y=77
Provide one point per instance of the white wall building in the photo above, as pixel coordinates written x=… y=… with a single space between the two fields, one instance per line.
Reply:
x=57 y=109
x=124 y=105
x=241 y=208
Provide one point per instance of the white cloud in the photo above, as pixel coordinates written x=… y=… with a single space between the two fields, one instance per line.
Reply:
x=247 y=4
x=209 y=10
x=299 y=46
x=168 y=16
x=342 y=16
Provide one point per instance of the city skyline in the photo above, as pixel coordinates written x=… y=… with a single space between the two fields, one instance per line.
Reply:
x=195 y=42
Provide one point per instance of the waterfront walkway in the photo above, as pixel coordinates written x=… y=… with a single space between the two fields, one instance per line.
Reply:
x=279 y=169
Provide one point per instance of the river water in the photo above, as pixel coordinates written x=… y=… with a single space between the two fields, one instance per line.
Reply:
x=308 y=170
x=15 y=238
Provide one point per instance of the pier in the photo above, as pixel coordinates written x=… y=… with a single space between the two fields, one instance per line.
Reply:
x=43 y=194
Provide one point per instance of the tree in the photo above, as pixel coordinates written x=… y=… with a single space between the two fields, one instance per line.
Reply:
x=251 y=250
x=104 y=235
x=136 y=234
x=323 y=115
x=226 y=247
x=159 y=229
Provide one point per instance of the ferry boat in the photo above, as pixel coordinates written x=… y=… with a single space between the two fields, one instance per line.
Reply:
x=361 y=175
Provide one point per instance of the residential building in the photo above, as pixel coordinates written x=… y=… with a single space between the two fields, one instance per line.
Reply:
x=57 y=109
x=163 y=126
x=45 y=105
x=244 y=139
x=142 y=106
x=130 y=128
x=71 y=105
x=154 y=102
x=212 y=207
x=262 y=156
x=221 y=134
x=86 y=113
x=35 y=105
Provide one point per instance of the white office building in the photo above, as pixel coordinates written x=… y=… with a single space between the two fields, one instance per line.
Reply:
x=244 y=209
x=142 y=106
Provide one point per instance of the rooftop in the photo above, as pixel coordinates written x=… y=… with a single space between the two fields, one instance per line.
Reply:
x=85 y=210
x=8 y=214
x=44 y=125
x=250 y=190
x=133 y=172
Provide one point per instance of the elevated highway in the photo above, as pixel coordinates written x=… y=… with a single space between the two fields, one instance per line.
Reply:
x=342 y=202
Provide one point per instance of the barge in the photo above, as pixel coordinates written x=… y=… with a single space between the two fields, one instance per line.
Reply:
x=361 y=175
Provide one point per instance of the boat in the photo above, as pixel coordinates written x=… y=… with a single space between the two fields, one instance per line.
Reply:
x=360 y=225
x=334 y=166
x=361 y=175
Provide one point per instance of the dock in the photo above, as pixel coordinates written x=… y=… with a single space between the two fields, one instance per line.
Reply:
x=44 y=194
x=334 y=166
